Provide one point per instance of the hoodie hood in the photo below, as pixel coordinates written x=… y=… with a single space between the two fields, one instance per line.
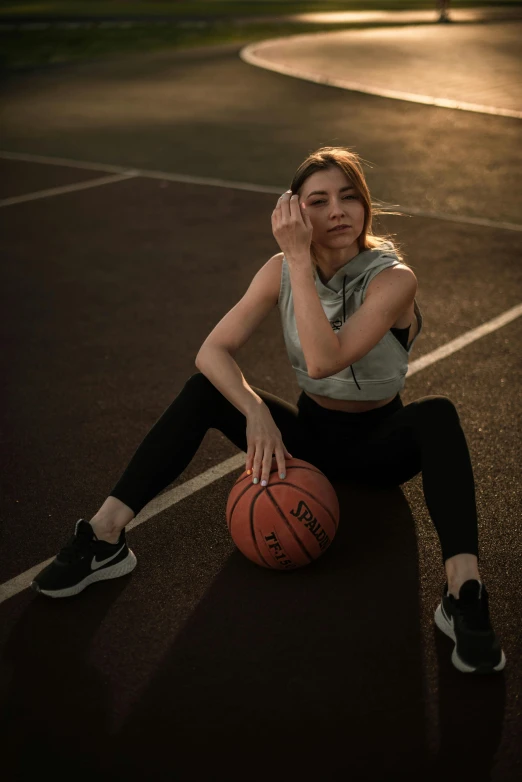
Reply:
x=354 y=271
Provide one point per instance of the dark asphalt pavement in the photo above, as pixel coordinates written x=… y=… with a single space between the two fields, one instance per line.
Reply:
x=201 y=666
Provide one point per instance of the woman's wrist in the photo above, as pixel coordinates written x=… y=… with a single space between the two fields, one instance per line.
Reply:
x=254 y=405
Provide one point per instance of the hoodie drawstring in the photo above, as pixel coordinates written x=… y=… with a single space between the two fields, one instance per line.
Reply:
x=344 y=321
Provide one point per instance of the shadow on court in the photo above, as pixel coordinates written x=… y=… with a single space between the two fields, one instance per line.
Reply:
x=323 y=665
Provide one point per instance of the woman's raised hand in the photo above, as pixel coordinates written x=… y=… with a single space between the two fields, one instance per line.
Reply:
x=292 y=227
x=264 y=440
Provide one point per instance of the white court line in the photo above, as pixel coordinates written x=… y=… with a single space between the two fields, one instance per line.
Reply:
x=169 y=498
x=249 y=186
x=464 y=339
x=251 y=55
x=155 y=506
x=147 y=174
x=54 y=191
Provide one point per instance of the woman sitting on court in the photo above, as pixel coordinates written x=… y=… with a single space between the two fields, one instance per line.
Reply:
x=350 y=319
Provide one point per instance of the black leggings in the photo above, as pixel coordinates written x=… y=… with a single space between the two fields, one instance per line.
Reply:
x=382 y=447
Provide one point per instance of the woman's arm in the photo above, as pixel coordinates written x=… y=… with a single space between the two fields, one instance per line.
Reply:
x=327 y=352
x=217 y=364
x=215 y=358
x=389 y=294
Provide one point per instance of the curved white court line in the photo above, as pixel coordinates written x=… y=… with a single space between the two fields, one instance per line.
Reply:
x=169 y=498
x=252 y=54
x=208 y=182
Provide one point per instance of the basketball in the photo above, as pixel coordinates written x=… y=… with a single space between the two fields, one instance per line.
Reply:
x=288 y=523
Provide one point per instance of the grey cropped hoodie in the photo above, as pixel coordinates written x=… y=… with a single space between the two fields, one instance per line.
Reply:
x=381 y=372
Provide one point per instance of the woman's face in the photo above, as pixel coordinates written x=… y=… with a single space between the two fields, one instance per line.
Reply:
x=336 y=203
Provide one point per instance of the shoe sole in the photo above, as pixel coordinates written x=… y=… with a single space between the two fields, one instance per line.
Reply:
x=443 y=624
x=126 y=565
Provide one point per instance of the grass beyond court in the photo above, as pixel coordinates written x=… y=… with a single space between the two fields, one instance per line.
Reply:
x=224 y=7
x=207 y=22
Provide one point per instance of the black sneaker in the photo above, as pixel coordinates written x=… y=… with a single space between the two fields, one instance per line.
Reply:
x=82 y=561
x=466 y=622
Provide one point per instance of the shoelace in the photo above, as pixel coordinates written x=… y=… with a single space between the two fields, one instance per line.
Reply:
x=76 y=548
x=475 y=613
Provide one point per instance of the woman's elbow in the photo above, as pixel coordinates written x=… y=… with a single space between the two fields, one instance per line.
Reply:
x=317 y=373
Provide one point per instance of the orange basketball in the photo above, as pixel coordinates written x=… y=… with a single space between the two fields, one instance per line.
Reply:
x=288 y=523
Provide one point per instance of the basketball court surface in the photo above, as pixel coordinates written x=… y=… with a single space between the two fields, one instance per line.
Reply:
x=136 y=201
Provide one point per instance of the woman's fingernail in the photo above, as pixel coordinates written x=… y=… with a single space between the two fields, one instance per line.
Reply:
x=282 y=476
x=256 y=480
x=263 y=483
x=249 y=472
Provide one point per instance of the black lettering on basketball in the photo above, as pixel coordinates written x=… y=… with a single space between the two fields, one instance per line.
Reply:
x=275 y=547
x=314 y=527
x=303 y=512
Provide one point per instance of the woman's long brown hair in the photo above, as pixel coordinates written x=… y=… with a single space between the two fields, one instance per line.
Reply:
x=349 y=163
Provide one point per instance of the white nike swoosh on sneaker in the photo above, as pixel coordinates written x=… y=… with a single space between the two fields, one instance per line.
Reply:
x=449 y=620
x=95 y=564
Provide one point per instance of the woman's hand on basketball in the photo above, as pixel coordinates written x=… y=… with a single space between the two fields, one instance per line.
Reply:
x=292 y=228
x=264 y=440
